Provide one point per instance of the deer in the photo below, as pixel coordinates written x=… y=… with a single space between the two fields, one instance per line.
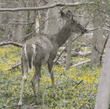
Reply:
x=42 y=49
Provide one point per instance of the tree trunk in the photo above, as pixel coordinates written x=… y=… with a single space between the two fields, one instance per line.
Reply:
x=68 y=57
x=5 y=21
x=18 y=28
x=98 y=42
x=51 y=26
x=104 y=82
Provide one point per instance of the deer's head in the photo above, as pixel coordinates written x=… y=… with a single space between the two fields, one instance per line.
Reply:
x=73 y=24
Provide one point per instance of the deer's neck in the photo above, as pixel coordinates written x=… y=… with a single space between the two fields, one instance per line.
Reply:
x=63 y=35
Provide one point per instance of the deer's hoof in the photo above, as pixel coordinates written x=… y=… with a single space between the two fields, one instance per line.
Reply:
x=37 y=93
x=36 y=101
x=19 y=105
x=55 y=94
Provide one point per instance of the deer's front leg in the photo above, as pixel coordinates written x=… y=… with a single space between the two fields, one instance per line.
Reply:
x=50 y=67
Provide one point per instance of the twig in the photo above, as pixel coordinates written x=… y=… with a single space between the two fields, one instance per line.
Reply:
x=12 y=43
x=78 y=83
x=93 y=29
x=73 y=81
x=91 y=18
x=13 y=67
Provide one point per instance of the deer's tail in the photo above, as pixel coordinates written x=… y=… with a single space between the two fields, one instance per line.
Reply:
x=29 y=52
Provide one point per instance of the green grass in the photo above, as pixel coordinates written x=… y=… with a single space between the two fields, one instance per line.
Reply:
x=75 y=88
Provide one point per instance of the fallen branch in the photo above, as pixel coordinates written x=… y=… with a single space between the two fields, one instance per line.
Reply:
x=83 y=62
x=45 y=7
x=20 y=23
x=83 y=53
x=12 y=43
x=13 y=67
x=74 y=53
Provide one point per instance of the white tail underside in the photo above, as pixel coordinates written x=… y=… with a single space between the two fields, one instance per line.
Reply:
x=34 y=47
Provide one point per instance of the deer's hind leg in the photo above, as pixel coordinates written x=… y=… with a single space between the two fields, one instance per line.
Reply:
x=24 y=67
x=33 y=81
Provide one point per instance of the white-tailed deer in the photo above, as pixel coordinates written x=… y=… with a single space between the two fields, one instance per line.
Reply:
x=43 y=49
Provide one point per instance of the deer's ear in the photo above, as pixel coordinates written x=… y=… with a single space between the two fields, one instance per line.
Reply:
x=63 y=15
x=69 y=15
